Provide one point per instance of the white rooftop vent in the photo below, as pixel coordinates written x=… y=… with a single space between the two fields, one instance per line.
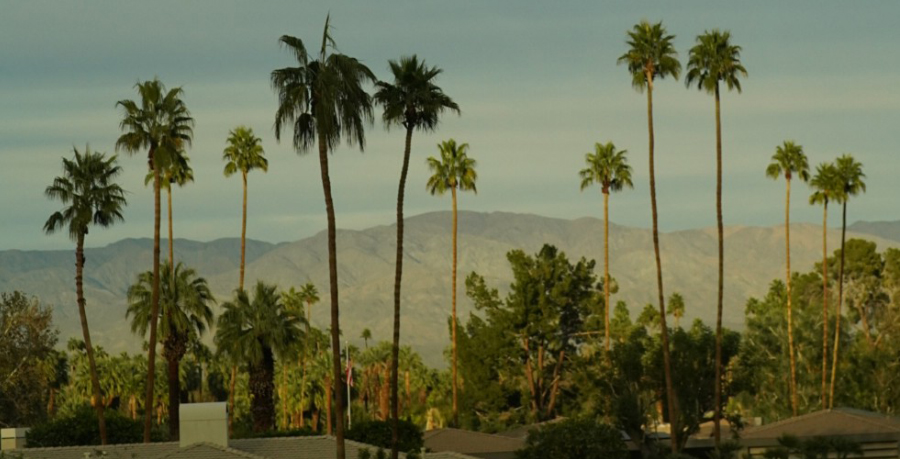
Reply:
x=203 y=422
x=12 y=438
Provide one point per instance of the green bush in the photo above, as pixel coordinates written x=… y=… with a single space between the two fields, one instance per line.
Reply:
x=378 y=433
x=81 y=428
x=574 y=439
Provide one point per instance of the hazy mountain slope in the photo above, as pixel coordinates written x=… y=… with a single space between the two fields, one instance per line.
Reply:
x=885 y=230
x=754 y=256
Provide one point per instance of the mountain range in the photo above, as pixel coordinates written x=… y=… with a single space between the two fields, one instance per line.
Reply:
x=754 y=256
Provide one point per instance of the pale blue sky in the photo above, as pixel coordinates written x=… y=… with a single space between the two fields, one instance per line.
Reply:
x=537 y=86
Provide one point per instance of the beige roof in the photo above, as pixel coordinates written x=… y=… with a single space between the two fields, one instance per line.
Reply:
x=838 y=421
x=469 y=442
x=298 y=447
x=208 y=451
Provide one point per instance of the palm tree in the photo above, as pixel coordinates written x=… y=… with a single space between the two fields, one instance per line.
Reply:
x=787 y=161
x=651 y=55
x=324 y=101
x=453 y=171
x=258 y=331
x=88 y=189
x=162 y=124
x=177 y=172
x=366 y=335
x=714 y=59
x=827 y=188
x=850 y=178
x=676 y=307
x=243 y=153
x=413 y=102
x=185 y=315
x=609 y=169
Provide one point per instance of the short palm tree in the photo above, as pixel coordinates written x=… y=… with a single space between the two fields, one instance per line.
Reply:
x=712 y=60
x=88 y=190
x=609 y=169
x=414 y=102
x=366 y=335
x=850 y=177
x=651 y=55
x=162 y=124
x=258 y=331
x=243 y=154
x=789 y=160
x=455 y=170
x=827 y=188
x=185 y=315
x=324 y=101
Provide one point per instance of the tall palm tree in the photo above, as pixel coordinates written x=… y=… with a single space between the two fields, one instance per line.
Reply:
x=88 y=190
x=453 y=171
x=324 y=101
x=177 y=172
x=651 y=55
x=827 y=188
x=243 y=154
x=787 y=161
x=850 y=177
x=366 y=335
x=609 y=169
x=162 y=124
x=412 y=101
x=712 y=60
x=258 y=331
x=185 y=315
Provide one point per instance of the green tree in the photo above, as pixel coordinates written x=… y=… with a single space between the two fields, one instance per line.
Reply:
x=651 y=55
x=258 y=331
x=827 y=188
x=574 y=439
x=162 y=124
x=243 y=154
x=27 y=337
x=92 y=197
x=185 y=315
x=412 y=101
x=787 y=161
x=712 y=60
x=609 y=169
x=324 y=101
x=676 y=307
x=366 y=335
x=850 y=176
x=455 y=170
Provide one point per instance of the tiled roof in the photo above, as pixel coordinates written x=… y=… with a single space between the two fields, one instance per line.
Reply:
x=126 y=451
x=208 y=451
x=299 y=447
x=838 y=421
x=469 y=442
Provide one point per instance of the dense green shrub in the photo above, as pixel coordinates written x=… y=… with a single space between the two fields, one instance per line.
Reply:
x=81 y=428
x=378 y=433
x=574 y=439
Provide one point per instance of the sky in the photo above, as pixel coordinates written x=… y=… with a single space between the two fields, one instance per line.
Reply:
x=537 y=86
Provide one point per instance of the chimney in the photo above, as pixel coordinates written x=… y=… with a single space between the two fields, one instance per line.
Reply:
x=203 y=422
x=12 y=438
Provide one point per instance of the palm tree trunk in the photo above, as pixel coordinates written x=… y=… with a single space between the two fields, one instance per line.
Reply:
x=171 y=240
x=453 y=323
x=671 y=397
x=284 y=393
x=82 y=313
x=395 y=349
x=837 y=314
x=174 y=392
x=243 y=231
x=328 y=399
x=606 y=265
x=231 y=400
x=262 y=388
x=790 y=313
x=824 y=305
x=717 y=412
x=154 y=307
x=335 y=309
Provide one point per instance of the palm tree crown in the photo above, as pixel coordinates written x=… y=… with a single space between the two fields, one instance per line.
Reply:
x=606 y=167
x=413 y=100
x=714 y=59
x=322 y=98
x=788 y=160
x=851 y=176
x=650 y=55
x=244 y=152
x=161 y=123
x=826 y=185
x=87 y=187
x=454 y=170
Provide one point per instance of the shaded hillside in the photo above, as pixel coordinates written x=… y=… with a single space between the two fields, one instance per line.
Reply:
x=885 y=230
x=754 y=256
